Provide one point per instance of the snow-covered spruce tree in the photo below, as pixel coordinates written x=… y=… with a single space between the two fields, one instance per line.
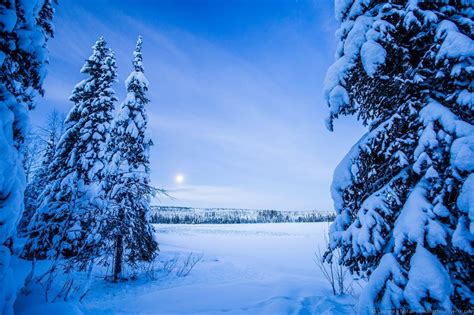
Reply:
x=404 y=195
x=129 y=235
x=25 y=27
x=41 y=153
x=66 y=226
x=37 y=185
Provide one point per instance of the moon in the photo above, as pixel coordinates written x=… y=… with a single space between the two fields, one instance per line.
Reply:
x=179 y=178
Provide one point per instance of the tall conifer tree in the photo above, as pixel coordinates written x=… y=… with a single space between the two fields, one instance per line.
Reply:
x=67 y=223
x=127 y=185
x=404 y=193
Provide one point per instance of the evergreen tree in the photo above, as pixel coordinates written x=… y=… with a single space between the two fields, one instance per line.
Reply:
x=67 y=223
x=127 y=185
x=404 y=193
x=37 y=158
x=22 y=69
x=37 y=185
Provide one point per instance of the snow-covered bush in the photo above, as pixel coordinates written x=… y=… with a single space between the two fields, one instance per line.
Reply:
x=404 y=193
x=25 y=27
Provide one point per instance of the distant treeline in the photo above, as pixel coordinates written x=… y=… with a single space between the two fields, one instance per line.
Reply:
x=187 y=215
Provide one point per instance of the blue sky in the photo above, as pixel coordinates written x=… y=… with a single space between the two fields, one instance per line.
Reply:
x=235 y=88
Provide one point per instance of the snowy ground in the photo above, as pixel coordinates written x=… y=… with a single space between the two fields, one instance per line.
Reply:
x=245 y=269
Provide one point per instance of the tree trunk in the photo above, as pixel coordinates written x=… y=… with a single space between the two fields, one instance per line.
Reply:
x=118 y=261
x=118 y=257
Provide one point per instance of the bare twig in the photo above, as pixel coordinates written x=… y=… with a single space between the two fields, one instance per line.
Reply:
x=188 y=265
x=170 y=264
x=336 y=274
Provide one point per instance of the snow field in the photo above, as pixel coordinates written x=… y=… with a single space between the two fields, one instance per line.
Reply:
x=245 y=269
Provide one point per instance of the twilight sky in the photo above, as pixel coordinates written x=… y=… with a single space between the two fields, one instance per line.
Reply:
x=236 y=94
